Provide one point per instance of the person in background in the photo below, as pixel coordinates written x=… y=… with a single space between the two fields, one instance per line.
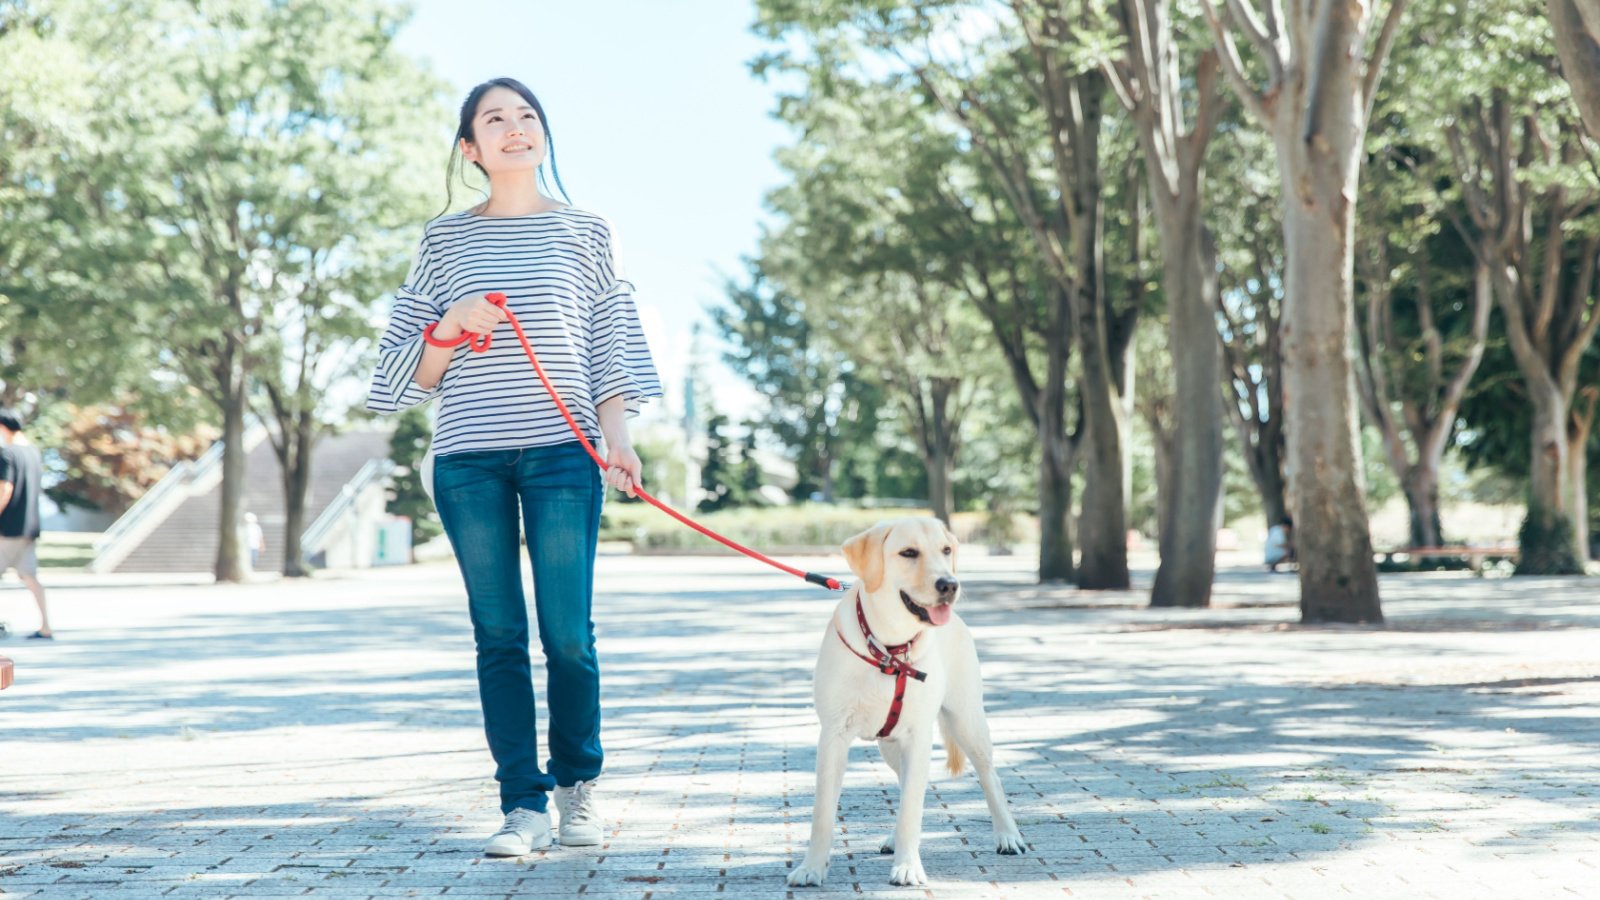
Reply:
x=1280 y=545
x=255 y=540
x=21 y=470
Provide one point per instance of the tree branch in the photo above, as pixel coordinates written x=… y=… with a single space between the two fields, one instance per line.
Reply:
x=1253 y=100
x=1378 y=57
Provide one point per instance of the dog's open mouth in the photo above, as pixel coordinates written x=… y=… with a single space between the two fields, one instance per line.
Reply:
x=933 y=615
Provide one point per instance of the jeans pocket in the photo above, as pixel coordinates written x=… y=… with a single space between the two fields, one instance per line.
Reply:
x=467 y=472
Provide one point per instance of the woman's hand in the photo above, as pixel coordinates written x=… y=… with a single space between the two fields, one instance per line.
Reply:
x=622 y=468
x=474 y=314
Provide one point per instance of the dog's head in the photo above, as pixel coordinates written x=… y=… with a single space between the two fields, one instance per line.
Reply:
x=915 y=558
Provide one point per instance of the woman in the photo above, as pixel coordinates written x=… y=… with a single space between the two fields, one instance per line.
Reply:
x=500 y=443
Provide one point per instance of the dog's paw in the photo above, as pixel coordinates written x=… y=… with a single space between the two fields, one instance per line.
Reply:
x=887 y=846
x=1009 y=843
x=908 y=872
x=807 y=875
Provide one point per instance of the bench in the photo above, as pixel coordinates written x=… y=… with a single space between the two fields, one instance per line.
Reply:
x=1475 y=557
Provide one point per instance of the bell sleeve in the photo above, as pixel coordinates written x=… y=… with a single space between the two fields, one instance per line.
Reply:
x=620 y=363
x=400 y=348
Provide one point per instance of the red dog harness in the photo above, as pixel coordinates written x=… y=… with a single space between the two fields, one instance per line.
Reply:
x=885 y=661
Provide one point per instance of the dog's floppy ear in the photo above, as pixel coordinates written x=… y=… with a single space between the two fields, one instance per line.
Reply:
x=864 y=553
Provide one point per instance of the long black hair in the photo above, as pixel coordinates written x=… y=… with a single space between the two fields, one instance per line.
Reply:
x=465 y=130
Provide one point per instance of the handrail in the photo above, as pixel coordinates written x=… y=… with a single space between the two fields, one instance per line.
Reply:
x=181 y=481
x=311 y=539
x=176 y=476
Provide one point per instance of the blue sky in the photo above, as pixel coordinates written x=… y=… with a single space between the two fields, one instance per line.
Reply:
x=658 y=125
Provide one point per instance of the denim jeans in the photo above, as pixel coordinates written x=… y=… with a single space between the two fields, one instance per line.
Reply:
x=559 y=490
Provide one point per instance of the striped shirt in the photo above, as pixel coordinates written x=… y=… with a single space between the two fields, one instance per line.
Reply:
x=562 y=279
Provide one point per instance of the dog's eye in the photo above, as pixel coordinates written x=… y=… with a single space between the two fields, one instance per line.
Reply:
x=947 y=551
x=909 y=553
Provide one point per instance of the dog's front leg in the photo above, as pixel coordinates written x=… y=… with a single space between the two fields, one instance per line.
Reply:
x=914 y=761
x=833 y=751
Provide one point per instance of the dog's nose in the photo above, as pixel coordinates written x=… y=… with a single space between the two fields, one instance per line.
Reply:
x=946 y=587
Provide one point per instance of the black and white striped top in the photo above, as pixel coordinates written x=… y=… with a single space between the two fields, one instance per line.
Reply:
x=561 y=275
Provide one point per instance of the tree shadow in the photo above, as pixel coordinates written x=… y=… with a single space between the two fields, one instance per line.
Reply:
x=1116 y=764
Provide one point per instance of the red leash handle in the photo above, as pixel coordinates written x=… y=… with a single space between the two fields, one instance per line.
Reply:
x=479 y=343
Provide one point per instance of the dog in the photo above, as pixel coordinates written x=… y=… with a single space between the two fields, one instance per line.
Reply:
x=918 y=665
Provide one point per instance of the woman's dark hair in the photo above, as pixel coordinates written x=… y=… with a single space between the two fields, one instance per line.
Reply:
x=465 y=130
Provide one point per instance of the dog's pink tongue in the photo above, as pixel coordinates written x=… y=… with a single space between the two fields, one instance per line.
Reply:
x=939 y=614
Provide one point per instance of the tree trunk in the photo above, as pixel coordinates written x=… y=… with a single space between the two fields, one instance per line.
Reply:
x=1576 y=24
x=296 y=484
x=1165 y=492
x=827 y=478
x=1548 y=544
x=940 y=492
x=1056 y=449
x=1421 y=485
x=229 y=565
x=1338 y=581
x=1189 y=530
x=1104 y=528
x=1264 y=455
x=1055 y=508
x=1578 y=485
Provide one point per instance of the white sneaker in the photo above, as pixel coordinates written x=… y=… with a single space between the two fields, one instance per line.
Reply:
x=580 y=822
x=524 y=832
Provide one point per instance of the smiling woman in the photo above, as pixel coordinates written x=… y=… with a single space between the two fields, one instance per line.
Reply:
x=507 y=462
x=503 y=120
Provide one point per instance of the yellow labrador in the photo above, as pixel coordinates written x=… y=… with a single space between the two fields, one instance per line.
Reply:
x=895 y=658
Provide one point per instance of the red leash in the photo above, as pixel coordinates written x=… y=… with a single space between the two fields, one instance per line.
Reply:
x=480 y=343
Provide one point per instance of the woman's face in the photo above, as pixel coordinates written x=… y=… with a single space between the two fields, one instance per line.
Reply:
x=510 y=135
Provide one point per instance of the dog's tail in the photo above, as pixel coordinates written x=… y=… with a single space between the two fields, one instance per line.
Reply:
x=952 y=751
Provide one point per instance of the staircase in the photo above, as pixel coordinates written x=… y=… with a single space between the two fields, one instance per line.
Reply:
x=186 y=541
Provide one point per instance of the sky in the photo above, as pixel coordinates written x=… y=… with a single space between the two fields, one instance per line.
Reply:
x=657 y=125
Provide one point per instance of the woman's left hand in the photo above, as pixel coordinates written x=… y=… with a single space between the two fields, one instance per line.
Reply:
x=622 y=469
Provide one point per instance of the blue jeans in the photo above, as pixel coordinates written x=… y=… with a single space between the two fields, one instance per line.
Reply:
x=560 y=491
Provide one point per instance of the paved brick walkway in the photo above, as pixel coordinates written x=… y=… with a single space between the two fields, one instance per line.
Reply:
x=324 y=739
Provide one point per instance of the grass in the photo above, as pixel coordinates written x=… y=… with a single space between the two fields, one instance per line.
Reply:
x=806 y=525
x=66 y=549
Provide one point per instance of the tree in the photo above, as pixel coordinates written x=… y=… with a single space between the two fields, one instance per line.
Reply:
x=1031 y=110
x=325 y=256
x=864 y=248
x=1518 y=166
x=812 y=388
x=413 y=432
x=749 y=477
x=287 y=170
x=111 y=455
x=1249 y=308
x=1417 y=359
x=1148 y=81
x=1321 y=79
x=716 y=475
x=70 y=248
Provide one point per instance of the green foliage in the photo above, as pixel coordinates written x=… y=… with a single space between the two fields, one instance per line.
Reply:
x=817 y=401
x=748 y=471
x=105 y=457
x=716 y=475
x=413 y=432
